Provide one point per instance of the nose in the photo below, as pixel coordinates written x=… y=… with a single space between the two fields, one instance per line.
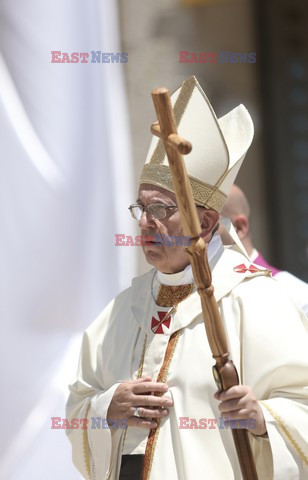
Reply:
x=146 y=221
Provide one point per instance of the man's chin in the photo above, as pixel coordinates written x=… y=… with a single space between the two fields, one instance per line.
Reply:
x=153 y=254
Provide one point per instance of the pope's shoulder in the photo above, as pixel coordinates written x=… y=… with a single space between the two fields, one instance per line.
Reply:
x=120 y=305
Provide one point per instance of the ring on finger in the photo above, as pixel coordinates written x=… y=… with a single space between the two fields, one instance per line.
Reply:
x=136 y=412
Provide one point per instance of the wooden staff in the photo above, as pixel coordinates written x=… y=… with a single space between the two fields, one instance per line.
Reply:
x=224 y=371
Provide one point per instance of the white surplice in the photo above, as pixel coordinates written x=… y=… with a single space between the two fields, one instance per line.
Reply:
x=267 y=339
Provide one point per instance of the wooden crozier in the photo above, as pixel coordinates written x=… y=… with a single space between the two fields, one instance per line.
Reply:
x=224 y=371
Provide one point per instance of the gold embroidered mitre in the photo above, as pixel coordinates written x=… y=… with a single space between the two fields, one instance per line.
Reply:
x=219 y=147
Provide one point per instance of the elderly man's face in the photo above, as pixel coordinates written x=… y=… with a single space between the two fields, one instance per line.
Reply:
x=167 y=259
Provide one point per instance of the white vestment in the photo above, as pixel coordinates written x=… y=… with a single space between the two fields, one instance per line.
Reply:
x=293 y=286
x=267 y=339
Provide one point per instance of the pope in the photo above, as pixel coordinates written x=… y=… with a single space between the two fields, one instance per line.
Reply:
x=146 y=360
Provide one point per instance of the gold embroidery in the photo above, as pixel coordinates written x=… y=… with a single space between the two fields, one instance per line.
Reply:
x=170 y=295
x=207 y=196
x=179 y=109
x=140 y=369
x=86 y=448
x=156 y=171
x=139 y=375
x=204 y=194
x=288 y=434
x=153 y=435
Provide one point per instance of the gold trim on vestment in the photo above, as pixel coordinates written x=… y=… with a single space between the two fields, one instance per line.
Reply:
x=204 y=194
x=153 y=435
x=139 y=375
x=170 y=295
x=86 y=447
x=140 y=368
x=288 y=434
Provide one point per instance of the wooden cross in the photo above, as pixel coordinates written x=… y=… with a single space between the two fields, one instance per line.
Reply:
x=224 y=371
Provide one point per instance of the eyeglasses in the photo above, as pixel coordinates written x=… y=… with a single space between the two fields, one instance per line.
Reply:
x=157 y=210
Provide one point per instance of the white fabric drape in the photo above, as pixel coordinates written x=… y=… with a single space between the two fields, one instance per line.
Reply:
x=65 y=181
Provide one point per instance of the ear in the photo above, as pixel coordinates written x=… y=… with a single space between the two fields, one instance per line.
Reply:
x=241 y=225
x=208 y=220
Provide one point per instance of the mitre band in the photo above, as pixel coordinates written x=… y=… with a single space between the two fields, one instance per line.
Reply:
x=204 y=195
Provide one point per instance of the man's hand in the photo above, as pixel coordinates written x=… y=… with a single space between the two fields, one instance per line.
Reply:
x=240 y=403
x=139 y=394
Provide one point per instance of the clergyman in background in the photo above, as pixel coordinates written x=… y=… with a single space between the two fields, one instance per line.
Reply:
x=237 y=209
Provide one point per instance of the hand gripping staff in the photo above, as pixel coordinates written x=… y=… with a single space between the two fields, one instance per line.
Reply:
x=224 y=371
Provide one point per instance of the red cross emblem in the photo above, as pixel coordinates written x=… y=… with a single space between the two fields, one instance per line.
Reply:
x=243 y=269
x=157 y=325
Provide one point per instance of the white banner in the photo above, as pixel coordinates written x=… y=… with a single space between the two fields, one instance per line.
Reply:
x=65 y=185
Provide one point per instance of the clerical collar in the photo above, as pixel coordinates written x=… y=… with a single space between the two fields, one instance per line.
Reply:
x=186 y=276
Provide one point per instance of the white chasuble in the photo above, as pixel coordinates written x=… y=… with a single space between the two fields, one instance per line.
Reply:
x=267 y=339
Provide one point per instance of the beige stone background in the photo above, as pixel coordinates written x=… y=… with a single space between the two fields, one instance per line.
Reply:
x=153 y=33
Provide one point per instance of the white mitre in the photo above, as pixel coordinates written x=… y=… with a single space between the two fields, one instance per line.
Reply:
x=219 y=147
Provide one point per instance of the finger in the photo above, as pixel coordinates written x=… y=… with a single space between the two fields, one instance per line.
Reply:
x=234 y=392
x=242 y=414
x=146 y=387
x=217 y=394
x=232 y=405
x=143 y=379
x=151 y=401
x=241 y=423
x=237 y=424
x=141 y=423
x=152 y=413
